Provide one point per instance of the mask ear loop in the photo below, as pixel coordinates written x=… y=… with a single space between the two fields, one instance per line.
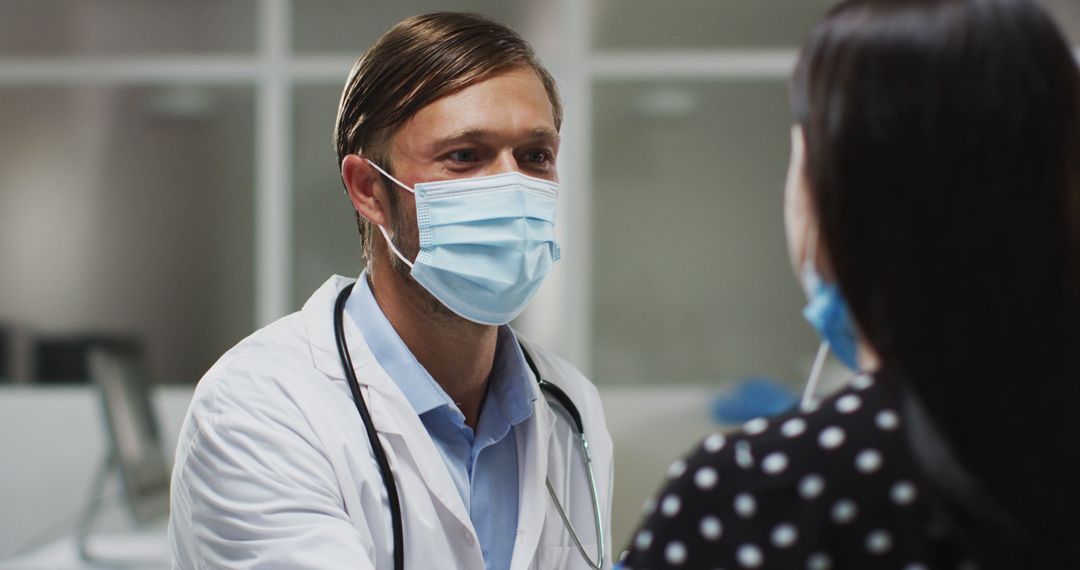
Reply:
x=386 y=236
x=807 y=404
x=387 y=174
x=394 y=249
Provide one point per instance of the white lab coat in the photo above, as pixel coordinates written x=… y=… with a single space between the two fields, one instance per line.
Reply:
x=274 y=469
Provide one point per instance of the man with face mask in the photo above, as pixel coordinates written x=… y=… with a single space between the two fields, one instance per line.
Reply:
x=397 y=420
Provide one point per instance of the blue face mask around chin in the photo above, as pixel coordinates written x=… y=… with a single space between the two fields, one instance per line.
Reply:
x=828 y=313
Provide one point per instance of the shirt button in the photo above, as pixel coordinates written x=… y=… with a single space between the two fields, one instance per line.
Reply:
x=469 y=540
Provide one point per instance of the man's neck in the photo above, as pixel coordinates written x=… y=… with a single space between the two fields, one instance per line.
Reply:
x=458 y=354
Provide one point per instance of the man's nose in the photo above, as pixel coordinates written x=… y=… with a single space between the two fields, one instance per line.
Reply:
x=505 y=162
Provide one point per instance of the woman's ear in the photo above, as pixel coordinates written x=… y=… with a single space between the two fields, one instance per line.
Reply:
x=365 y=188
x=800 y=221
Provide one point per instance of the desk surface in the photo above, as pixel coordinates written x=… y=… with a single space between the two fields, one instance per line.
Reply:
x=146 y=549
x=55 y=439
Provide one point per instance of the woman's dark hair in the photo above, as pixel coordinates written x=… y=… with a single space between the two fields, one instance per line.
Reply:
x=943 y=159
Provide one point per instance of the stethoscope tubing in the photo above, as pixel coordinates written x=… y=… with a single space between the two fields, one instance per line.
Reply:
x=373 y=438
x=387 y=473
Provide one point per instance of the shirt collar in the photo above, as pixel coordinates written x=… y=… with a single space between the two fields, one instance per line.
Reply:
x=510 y=377
x=510 y=374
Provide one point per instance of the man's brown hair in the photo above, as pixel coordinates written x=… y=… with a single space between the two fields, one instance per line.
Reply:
x=421 y=59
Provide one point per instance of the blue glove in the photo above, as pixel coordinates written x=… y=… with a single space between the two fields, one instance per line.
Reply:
x=753 y=397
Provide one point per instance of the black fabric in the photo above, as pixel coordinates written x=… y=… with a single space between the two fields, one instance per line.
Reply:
x=747 y=500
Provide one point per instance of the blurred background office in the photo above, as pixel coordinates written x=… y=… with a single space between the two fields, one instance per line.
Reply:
x=168 y=184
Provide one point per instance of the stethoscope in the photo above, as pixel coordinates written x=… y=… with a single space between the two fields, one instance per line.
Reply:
x=388 y=476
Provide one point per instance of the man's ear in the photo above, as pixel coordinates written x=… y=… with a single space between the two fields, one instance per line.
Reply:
x=365 y=188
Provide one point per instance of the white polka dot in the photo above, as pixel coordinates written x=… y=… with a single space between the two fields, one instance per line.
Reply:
x=710 y=528
x=862 y=382
x=818 y=561
x=831 y=437
x=749 y=556
x=848 y=404
x=784 y=535
x=793 y=427
x=649 y=506
x=756 y=426
x=903 y=493
x=878 y=542
x=774 y=463
x=887 y=420
x=745 y=505
x=705 y=478
x=844 y=511
x=622 y=557
x=868 y=461
x=743 y=457
x=675 y=553
x=714 y=443
x=811 y=486
x=916 y=566
x=644 y=539
x=670 y=506
x=676 y=469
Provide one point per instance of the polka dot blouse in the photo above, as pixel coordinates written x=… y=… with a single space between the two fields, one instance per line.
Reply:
x=836 y=487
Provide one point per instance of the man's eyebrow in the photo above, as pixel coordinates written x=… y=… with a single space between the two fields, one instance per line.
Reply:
x=545 y=133
x=480 y=134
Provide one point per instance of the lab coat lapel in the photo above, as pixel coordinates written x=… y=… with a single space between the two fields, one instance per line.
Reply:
x=394 y=418
x=533 y=442
x=318 y=318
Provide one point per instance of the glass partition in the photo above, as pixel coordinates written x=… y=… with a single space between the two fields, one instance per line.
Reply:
x=691 y=272
x=703 y=24
x=325 y=237
x=126 y=27
x=129 y=211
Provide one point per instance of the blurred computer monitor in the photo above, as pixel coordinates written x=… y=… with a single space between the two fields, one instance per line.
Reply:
x=134 y=436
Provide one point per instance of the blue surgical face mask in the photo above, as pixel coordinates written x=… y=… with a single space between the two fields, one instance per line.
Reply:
x=828 y=313
x=486 y=243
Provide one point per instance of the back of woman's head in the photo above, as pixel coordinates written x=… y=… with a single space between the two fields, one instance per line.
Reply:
x=943 y=160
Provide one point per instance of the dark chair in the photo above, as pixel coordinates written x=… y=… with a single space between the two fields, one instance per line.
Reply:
x=62 y=359
x=7 y=355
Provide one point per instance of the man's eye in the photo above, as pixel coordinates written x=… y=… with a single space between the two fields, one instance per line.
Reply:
x=538 y=156
x=463 y=156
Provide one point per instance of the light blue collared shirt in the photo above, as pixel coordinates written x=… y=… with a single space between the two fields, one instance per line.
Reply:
x=484 y=461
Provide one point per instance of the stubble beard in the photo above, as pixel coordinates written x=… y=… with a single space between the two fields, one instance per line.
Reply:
x=406 y=238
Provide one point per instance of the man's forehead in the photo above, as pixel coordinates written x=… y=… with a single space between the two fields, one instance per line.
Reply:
x=513 y=103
